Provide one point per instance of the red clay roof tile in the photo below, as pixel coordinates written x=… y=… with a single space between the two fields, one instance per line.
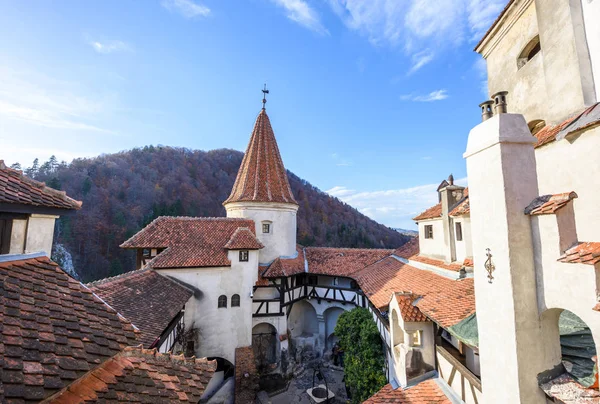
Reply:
x=189 y=241
x=140 y=296
x=286 y=266
x=549 y=204
x=431 y=213
x=54 y=329
x=582 y=253
x=408 y=310
x=243 y=239
x=342 y=261
x=409 y=249
x=142 y=375
x=15 y=188
x=548 y=133
x=426 y=392
x=262 y=176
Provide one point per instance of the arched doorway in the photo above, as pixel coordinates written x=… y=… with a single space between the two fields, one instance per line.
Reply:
x=302 y=321
x=331 y=316
x=264 y=344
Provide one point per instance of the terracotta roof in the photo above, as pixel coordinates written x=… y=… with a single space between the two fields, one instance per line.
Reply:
x=246 y=375
x=54 y=330
x=582 y=253
x=142 y=375
x=444 y=300
x=454 y=266
x=262 y=176
x=286 y=266
x=549 y=204
x=468 y=262
x=463 y=207
x=140 y=296
x=261 y=281
x=189 y=241
x=342 y=261
x=408 y=310
x=586 y=119
x=431 y=213
x=409 y=249
x=15 y=188
x=243 y=239
x=426 y=392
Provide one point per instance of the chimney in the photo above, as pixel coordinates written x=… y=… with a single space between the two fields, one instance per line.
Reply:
x=486 y=110
x=500 y=102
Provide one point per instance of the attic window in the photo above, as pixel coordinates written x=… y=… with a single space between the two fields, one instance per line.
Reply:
x=529 y=51
x=244 y=256
x=536 y=125
x=266 y=227
x=429 y=231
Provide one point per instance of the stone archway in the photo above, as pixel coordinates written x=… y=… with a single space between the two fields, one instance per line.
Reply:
x=302 y=321
x=331 y=316
x=265 y=341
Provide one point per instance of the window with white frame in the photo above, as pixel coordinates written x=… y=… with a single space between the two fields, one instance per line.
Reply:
x=417 y=338
x=244 y=255
x=266 y=227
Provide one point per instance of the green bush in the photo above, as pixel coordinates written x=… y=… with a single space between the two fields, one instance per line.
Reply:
x=364 y=359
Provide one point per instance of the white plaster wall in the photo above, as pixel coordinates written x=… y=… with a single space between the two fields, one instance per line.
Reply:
x=303 y=319
x=464 y=248
x=564 y=167
x=17 y=236
x=281 y=241
x=591 y=12
x=221 y=330
x=266 y=293
x=432 y=247
x=40 y=234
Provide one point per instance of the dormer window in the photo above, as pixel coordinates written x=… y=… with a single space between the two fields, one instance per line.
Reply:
x=244 y=256
x=429 y=231
x=266 y=227
x=532 y=48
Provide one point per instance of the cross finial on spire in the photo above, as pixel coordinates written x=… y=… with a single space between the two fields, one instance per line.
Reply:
x=265 y=92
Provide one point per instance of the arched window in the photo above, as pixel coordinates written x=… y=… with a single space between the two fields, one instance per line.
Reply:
x=235 y=301
x=222 y=301
x=532 y=48
x=536 y=125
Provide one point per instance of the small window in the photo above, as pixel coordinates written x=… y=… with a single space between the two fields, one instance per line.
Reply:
x=266 y=227
x=336 y=281
x=532 y=48
x=189 y=348
x=5 y=233
x=459 y=235
x=222 y=302
x=416 y=338
x=235 y=301
x=429 y=231
x=243 y=257
x=312 y=280
x=147 y=253
x=353 y=284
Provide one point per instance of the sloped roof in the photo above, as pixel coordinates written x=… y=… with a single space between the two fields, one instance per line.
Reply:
x=262 y=176
x=582 y=253
x=243 y=239
x=142 y=375
x=463 y=207
x=286 y=266
x=140 y=296
x=342 y=261
x=549 y=204
x=54 y=330
x=15 y=188
x=408 y=310
x=408 y=249
x=427 y=391
x=431 y=213
x=190 y=242
x=445 y=301
x=586 y=119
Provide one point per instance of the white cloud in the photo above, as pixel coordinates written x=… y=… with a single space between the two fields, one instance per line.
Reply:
x=481 y=15
x=340 y=161
x=419 y=60
x=302 y=13
x=110 y=46
x=394 y=207
x=436 y=95
x=186 y=8
x=480 y=67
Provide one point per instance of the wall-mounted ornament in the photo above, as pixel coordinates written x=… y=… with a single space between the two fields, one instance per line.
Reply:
x=489 y=265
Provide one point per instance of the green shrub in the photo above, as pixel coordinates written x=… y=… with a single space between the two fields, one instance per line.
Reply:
x=364 y=359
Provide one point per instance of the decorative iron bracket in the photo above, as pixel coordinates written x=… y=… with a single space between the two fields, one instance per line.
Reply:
x=489 y=265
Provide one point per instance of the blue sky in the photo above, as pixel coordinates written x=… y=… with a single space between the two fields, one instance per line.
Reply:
x=371 y=101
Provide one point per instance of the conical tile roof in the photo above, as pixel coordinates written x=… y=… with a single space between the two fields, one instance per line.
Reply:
x=262 y=176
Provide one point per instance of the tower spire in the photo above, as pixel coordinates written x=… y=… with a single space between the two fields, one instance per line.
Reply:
x=265 y=92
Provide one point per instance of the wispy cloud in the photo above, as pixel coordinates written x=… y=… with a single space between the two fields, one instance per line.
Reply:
x=186 y=8
x=393 y=207
x=106 y=47
x=41 y=101
x=436 y=95
x=340 y=161
x=480 y=67
x=302 y=13
x=419 y=60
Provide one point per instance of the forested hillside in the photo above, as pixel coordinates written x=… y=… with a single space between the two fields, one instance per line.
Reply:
x=123 y=192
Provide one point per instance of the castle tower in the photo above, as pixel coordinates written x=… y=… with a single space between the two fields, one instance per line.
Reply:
x=262 y=193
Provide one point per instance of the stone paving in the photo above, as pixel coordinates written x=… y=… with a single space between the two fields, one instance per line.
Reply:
x=296 y=392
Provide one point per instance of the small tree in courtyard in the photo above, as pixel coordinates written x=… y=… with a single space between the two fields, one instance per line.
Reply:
x=363 y=353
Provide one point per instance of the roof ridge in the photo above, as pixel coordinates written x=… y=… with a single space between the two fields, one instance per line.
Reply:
x=350 y=248
x=153 y=353
x=232 y=219
x=102 y=281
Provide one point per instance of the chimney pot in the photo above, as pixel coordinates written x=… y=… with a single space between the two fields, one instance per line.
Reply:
x=500 y=102
x=486 y=110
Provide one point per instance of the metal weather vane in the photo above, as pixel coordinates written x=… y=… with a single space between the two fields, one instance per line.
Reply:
x=265 y=92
